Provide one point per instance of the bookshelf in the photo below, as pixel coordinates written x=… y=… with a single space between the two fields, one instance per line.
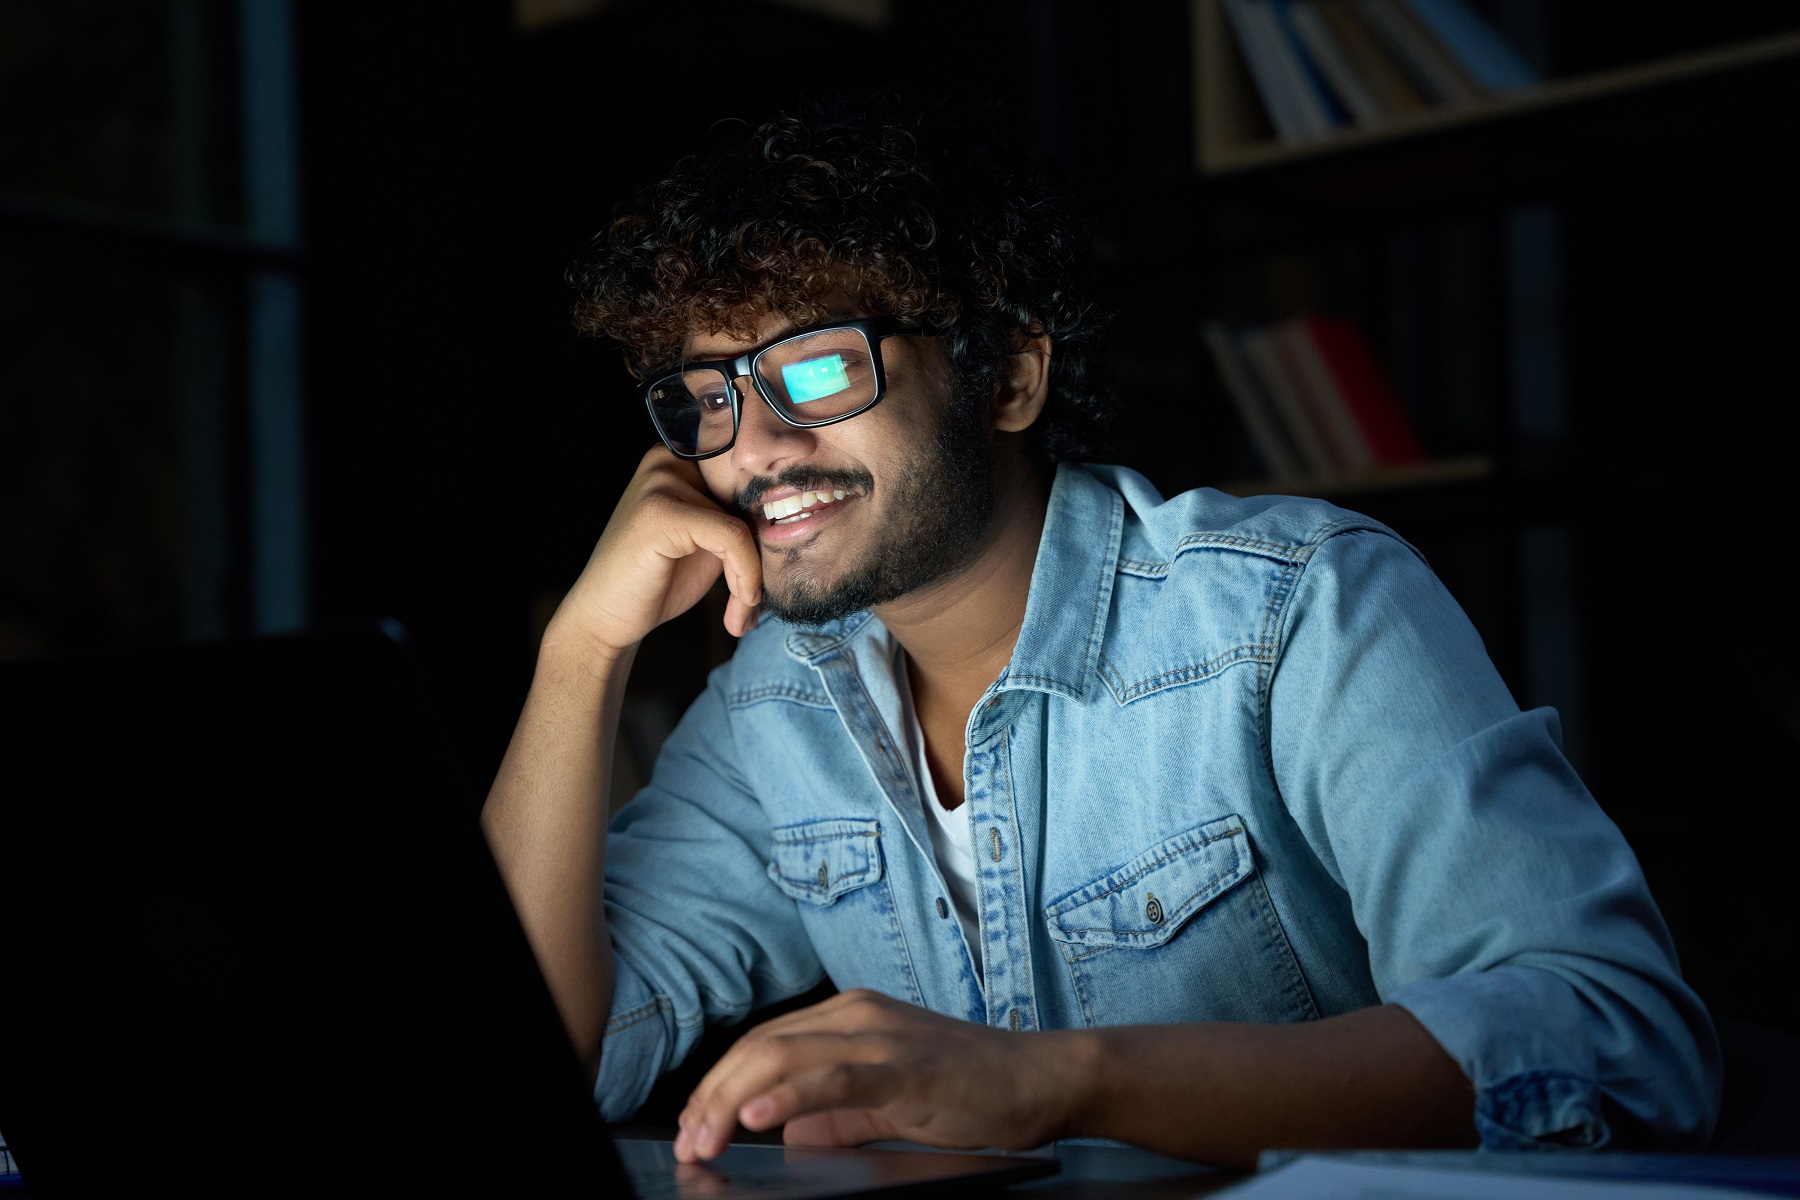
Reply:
x=1232 y=135
x=1581 y=292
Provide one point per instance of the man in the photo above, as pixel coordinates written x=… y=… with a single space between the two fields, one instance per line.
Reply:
x=1203 y=824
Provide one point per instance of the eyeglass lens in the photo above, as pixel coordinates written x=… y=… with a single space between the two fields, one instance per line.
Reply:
x=811 y=379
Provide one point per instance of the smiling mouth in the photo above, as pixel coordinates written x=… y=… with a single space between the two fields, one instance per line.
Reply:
x=793 y=509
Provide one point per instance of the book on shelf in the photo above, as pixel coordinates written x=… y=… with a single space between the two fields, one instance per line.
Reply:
x=1269 y=439
x=1312 y=74
x=1387 y=82
x=1313 y=399
x=1431 y=69
x=1289 y=404
x=1322 y=44
x=1338 y=362
x=1289 y=96
x=1488 y=59
x=1320 y=65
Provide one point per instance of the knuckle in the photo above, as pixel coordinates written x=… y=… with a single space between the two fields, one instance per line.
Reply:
x=773 y=1052
x=659 y=506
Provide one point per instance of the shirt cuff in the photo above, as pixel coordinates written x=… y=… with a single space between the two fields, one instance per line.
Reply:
x=1518 y=1034
x=636 y=1047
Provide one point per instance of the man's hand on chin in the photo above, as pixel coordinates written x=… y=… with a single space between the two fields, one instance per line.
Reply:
x=861 y=1067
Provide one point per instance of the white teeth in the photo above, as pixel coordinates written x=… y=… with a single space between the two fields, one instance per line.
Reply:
x=787 y=506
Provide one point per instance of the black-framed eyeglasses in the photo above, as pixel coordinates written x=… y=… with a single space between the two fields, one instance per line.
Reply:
x=815 y=377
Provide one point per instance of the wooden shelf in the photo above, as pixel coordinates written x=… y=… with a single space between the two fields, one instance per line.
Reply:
x=1465 y=469
x=1233 y=136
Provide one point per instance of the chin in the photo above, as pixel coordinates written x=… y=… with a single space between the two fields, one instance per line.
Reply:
x=812 y=601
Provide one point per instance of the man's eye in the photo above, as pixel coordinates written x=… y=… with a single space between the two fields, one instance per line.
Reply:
x=714 y=402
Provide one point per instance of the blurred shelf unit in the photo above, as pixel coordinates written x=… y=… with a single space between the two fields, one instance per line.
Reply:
x=1285 y=81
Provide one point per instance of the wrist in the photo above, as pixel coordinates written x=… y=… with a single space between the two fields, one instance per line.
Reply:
x=565 y=648
x=1076 y=1084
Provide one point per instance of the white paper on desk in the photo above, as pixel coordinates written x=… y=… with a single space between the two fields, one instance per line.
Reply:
x=1336 y=1179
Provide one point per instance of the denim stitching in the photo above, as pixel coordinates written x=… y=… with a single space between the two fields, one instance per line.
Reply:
x=1103 y=593
x=1018 y=871
x=1147 y=569
x=1190 y=674
x=636 y=1016
x=857 y=879
x=744 y=697
x=781 y=838
x=1079 y=976
x=1276 y=941
x=891 y=752
x=912 y=975
x=1064 y=905
x=1214 y=888
x=1285 y=586
x=1232 y=541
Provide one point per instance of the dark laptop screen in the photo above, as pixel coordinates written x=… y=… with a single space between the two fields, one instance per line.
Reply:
x=255 y=939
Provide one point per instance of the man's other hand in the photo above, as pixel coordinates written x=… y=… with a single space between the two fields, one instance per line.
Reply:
x=666 y=544
x=861 y=1067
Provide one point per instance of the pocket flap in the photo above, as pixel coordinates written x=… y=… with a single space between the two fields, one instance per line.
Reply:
x=1147 y=900
x=818 y=861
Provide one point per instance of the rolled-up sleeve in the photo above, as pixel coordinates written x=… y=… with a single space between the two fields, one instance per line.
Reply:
x=698 y=933
x=1501 y=907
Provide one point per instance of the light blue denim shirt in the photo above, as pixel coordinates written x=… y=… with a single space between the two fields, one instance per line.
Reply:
x=1249 y=762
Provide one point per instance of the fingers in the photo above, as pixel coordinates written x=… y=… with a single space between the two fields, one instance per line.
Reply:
x=825 y=1066
x=731 y=542
x=740 y=618
x=665 y=545
x=840 y=1085
x=855 y=1011
x=711 y=528
x=852 y=1028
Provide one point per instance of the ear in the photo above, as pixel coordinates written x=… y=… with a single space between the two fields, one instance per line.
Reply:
x=1024 y=384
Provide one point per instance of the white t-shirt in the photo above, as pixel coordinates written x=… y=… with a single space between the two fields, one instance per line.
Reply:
x=950 y=838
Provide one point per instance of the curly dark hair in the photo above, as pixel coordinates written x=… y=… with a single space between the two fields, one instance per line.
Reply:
x=920 y=210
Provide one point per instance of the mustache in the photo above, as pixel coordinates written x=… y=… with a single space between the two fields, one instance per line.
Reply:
x=806 y=479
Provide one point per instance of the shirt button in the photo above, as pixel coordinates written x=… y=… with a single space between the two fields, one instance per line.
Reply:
x=943 y=909
x=1153 y=911
x=823 y=876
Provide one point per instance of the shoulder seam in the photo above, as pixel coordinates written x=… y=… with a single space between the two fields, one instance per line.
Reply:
x=795 y=693
x=1279 y=551
x=1274 y=634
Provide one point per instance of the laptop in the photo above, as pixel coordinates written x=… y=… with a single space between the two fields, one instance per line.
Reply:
x=252 y=942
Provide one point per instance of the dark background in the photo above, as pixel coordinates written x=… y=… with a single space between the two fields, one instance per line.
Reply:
x=453 y=449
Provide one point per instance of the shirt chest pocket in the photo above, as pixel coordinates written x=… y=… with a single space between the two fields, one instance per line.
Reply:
x=817 y=862
x=833 y=868
x=1183 y=932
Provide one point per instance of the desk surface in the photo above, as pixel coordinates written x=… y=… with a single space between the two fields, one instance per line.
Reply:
x=1088 y=1171
x=1093 y=1171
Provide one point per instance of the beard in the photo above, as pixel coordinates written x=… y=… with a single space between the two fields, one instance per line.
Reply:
x=940 y=511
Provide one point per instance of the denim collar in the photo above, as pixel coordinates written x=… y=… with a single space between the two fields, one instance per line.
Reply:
x=1065 y=610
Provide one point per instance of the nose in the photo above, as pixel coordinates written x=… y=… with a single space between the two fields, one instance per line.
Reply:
x=765 y=443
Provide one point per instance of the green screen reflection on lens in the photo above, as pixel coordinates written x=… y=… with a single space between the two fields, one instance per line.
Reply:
x=815 y=379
